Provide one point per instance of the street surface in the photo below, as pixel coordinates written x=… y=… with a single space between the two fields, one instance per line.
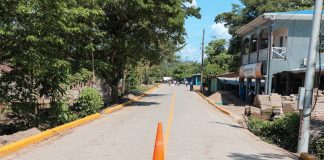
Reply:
x=193 y=130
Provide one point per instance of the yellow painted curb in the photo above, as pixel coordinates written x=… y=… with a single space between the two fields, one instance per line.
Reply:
x=212 y=103
x=120 y=106
x=16 y=146
x=307 y=156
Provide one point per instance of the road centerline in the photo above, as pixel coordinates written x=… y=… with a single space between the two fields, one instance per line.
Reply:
x=170 y=119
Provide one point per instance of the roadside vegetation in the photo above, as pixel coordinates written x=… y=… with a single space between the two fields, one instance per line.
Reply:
x=284 y=132
x=54 y=46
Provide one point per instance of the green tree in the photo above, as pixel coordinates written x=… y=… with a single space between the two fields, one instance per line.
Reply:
x=139 y=30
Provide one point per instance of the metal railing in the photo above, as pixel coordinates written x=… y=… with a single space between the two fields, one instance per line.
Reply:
x=279 y=53
x=263 y=54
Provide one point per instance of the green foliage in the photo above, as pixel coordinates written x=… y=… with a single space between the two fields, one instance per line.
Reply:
x=282 y=132
x=50 y=45
x=211 y=70
x=214 y=48
x=317 y=147
x=89 y=102
x=80 y=77
x=58 y=114
x=24 y=115
x=218 y=61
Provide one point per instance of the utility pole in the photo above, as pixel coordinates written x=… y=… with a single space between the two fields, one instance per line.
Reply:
x=202 y=61
x=303 y=140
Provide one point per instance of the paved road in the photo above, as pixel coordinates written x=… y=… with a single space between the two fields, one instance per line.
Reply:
x=193 y=130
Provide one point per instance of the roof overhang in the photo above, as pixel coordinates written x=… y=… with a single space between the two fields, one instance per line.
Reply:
x=228 y=75
x=266 y=17
x=252 y=25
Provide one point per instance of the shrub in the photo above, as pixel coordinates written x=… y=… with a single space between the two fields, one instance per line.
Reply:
x=89 y=102
x=59 y=113
x=317 y=147
x=282 y=132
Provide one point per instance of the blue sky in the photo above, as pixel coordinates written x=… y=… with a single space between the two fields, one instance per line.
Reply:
x=194 y=27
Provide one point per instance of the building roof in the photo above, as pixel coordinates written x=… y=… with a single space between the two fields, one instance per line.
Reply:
x=291 y=15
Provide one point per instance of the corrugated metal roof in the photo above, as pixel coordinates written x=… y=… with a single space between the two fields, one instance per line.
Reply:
x=262 y=19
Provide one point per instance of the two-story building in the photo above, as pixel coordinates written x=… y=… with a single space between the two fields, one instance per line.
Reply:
x=274 y=52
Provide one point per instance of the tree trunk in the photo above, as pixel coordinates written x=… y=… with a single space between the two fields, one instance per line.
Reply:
x=114 y=93
x=124 y=82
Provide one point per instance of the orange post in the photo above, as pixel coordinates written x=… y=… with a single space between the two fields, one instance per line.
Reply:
x=159 y=147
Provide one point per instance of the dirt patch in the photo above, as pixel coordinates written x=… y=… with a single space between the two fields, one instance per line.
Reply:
x=6 y=139
x=226 y=98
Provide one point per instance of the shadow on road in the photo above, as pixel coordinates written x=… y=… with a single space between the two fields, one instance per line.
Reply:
x=261 y=156
x=231 y=125
x=157 y=95
x=142 y=104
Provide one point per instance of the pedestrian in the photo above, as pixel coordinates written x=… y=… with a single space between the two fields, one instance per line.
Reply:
x=169 y=83
x=186 y=82
x=251 y=97
x=191 y=86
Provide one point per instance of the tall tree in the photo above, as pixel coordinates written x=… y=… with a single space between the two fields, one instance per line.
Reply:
x=139 y=30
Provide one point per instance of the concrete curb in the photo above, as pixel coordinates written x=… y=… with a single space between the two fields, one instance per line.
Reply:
x=212 y=103
x=16 y=146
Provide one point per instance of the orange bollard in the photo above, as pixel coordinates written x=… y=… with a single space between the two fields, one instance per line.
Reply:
x=159 y=147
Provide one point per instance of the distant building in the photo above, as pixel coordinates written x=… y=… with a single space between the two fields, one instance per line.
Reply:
x=166 y=79
x=196 y=79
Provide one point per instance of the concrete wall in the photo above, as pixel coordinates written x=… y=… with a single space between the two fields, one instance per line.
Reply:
x=298 y=39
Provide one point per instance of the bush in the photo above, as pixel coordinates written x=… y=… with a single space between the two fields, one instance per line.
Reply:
x=317 y=147
x=58 y=114
x=89 y=102
x=282 y=132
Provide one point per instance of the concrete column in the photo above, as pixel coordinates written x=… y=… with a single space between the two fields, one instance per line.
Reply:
x=241 y=88
x=269 y=74
x=257 y=86
x=248 y=87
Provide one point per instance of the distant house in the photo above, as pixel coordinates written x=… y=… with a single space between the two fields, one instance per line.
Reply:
x=166 y=79
x=274 y=50
x=196 y=79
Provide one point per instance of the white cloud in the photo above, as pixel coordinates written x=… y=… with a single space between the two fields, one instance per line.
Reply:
x=191 y=52
x=192 y=4
x=220 y=31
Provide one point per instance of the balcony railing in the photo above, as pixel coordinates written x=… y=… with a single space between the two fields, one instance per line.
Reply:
x=254 y=57
x=279 y=53
x=263 y=54
x=245 y=59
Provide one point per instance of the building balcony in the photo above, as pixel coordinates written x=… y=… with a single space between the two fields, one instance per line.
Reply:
x=263 y=54
x=254 y=57
x=245 y=59
x=279 y=53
